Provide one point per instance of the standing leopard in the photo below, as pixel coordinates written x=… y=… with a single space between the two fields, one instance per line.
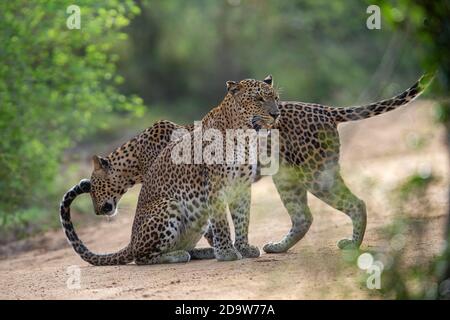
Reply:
x=309 y=153
x=178 y=200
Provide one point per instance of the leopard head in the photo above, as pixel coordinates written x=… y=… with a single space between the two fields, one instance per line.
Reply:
x=258 y=101
x=108 y=184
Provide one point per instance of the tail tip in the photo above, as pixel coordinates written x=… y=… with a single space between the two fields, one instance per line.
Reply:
x=85 y=185
x=426 y=79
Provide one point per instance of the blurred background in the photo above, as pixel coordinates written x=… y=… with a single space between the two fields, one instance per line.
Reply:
x=68 y=94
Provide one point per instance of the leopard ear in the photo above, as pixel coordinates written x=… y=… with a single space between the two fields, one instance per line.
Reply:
x=268 y=79
x=233 y=87
x=100 y=163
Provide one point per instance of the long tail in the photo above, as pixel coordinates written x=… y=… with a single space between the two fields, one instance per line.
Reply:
x=343 y=114
x=123 y=256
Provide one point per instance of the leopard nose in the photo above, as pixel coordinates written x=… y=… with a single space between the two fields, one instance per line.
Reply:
x=107 y=207
x=274 y=114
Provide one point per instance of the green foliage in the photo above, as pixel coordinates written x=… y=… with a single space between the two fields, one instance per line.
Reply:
x=399 y=280
x=428 y=22
x=442 y=113
x=181 y=53
x=55 y=85
x=419 y=281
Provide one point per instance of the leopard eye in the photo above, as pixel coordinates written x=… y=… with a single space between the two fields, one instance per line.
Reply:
x=261 y=99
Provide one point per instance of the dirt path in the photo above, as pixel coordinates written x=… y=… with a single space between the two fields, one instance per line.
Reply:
x=377 y=154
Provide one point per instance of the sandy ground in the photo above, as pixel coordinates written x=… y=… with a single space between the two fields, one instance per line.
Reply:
x=376 y=155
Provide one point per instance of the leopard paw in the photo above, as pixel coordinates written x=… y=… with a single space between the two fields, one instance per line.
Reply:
x=275 y=247
x=229 y=254
x=248 y=251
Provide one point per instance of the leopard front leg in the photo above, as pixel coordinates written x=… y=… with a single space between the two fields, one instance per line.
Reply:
x=223 y=246
x=239 y=207
x=293 y=196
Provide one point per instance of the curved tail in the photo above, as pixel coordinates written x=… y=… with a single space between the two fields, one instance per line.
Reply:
x=343 y=114
x=123 y=256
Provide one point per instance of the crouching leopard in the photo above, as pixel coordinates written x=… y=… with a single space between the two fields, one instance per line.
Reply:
x=177 y=200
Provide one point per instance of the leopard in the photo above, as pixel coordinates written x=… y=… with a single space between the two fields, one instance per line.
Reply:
x=177 y=201
x=309 y=162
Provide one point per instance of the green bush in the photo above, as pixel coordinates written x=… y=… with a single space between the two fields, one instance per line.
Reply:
x=55 y=85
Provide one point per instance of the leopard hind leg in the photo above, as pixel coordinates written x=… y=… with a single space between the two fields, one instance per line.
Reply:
x=333 y=191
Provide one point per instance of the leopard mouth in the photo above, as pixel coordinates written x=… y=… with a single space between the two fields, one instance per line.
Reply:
x=256 y=123
x=259 y=122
